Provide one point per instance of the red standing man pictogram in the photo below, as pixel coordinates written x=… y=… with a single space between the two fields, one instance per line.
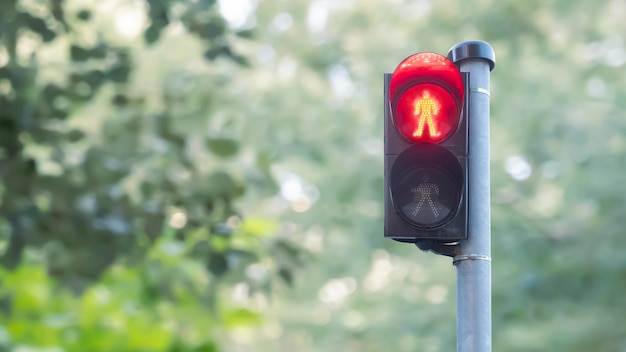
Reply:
x=426 y=108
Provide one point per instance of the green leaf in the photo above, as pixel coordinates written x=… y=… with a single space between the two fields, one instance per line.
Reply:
x=221 y=184
x=119 y=73
x=286 y=275
x=78 y=53
x=120 y=100
x=84 y=15
x=99 y=52
x=75 y=135
x=152 y=34
x=207 y=347
x=38 y=26
x=246 y=34
x=223 y=147
x=95 y=78
x=217 y=265
x=241 y=318
x=259 y=227
x=216 y=51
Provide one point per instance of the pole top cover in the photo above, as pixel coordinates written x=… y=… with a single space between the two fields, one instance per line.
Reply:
x=473 y=49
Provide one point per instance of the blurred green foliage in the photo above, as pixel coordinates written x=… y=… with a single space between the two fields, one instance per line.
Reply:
x=182 y=175
x=118 y=226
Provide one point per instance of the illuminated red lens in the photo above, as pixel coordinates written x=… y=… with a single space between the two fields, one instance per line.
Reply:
x=426 y=92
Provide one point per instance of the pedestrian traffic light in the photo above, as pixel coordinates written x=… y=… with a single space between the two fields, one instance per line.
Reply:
x=426 y=151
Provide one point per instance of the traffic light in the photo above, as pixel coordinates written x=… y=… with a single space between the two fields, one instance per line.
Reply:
x=426 y=150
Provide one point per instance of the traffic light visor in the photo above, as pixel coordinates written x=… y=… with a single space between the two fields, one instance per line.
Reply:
x=426 y=94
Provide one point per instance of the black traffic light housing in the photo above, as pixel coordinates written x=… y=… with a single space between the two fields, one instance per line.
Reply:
x=436 y=173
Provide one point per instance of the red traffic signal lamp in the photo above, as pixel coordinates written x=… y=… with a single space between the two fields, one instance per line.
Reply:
x=426 y=151
x=426 y=94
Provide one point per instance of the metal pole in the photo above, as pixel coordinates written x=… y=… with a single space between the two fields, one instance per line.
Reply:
x=473 y=262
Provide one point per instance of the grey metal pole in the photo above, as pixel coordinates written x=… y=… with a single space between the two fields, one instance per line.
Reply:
x=473 y=262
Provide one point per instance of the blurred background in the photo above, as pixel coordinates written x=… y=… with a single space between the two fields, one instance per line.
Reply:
x=200 y=175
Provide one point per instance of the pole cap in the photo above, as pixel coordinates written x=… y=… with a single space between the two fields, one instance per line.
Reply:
x=473 y=49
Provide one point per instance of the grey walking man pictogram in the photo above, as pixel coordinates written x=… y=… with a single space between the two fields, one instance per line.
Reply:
x=425 y=190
